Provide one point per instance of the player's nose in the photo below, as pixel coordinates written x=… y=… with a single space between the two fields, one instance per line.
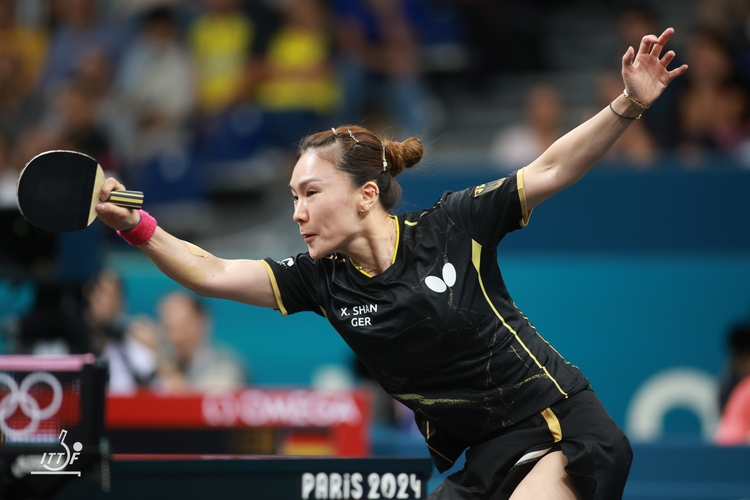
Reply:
x=300 y=213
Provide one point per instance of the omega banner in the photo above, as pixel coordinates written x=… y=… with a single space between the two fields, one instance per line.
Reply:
x=297 y=421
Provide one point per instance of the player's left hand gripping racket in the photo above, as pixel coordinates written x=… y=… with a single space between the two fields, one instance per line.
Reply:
x=59 y=191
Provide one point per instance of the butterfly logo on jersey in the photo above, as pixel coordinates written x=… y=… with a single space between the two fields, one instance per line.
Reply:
x=288 y=262
x=440 y=285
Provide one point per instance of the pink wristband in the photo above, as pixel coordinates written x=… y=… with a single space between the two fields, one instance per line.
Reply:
x=141 y=232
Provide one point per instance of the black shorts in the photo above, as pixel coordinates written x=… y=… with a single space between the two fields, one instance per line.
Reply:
x=598 y=453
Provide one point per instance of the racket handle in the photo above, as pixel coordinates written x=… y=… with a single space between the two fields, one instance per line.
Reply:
x=130 y=199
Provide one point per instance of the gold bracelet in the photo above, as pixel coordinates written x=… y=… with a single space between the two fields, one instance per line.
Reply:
x=625 y=93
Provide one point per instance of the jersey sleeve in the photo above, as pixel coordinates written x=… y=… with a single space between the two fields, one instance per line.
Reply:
x=489 y=211
x=294 y=281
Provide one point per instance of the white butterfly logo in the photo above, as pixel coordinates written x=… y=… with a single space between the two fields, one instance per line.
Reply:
x=440 y=285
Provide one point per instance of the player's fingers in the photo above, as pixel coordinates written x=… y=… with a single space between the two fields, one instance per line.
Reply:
x=627 y=58
x=668 y=57
x=111 y=184
x=677 y=72
x=117 y=217
x=656 y=49
x=112 y=209
x=665 y=36
x=661 y=41
x=646 y=43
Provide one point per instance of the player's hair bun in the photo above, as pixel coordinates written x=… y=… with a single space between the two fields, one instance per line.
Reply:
x=403 y=155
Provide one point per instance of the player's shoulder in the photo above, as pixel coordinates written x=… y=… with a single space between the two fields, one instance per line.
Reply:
x=450 y=199
x=416 y=216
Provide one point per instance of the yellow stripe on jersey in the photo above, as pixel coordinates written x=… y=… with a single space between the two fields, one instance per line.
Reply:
x=398 y=238
x=476 y=254
x=427 y=438
x=275 y=287
x=553 y=423
x=525 y=212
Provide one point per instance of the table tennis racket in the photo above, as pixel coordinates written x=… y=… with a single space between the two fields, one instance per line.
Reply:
x=59 y=191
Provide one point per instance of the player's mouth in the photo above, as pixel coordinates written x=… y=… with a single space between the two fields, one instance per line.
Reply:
x=308 y=237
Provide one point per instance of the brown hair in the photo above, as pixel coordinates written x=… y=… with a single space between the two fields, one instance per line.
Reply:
x=359 y=153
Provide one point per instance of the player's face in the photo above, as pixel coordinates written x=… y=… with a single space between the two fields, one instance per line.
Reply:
x=326 y=205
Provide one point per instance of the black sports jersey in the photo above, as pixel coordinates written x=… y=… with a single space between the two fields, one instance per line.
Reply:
x=438 y=329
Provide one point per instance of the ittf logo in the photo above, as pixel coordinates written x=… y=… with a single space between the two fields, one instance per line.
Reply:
x=54 y=462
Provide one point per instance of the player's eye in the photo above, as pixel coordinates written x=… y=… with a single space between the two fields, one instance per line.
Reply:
x=311 y=192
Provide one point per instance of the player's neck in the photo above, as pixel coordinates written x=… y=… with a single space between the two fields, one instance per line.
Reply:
x=376 y=253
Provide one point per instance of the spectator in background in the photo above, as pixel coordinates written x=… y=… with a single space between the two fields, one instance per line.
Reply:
x=31 y=142
x=738 y=361
x=731 y=17
x=734 y=426
x=518 y=145
x=636 y=147
x=191 y=362
x=126 y=343
x=155 y=89
x=80 y=31
x=8 y=177
x=713 y=104
x=223 y=44
x=378 y=51
x=22 y=53
x=96 y=73
x=27 y=44
x=495 y=28
x=54 y=324
x=94 y=70
x=298 y=89
x=221 y=41
x=73 y=122
x=18 y=111
x=634 y=20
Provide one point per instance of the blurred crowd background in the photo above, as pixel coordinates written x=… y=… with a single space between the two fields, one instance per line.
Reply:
x=200 y=104
x=197 y=101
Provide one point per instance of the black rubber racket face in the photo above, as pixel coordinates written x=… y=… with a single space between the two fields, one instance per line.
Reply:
x=55 y=190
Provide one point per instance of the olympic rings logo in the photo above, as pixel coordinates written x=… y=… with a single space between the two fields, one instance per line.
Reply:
x=19 y=396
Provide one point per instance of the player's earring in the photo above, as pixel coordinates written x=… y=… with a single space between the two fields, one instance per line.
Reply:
x=361 y=212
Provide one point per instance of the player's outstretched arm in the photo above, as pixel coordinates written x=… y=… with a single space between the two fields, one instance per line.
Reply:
x=192 y=267
x=645 y=76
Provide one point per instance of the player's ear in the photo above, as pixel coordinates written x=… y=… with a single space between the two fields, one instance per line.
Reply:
x=370 y=193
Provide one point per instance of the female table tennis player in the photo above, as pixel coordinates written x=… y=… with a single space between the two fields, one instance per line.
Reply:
x=420 y=299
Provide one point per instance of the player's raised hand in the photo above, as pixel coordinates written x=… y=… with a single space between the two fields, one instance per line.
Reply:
x=116 y=217
x=646 y=72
